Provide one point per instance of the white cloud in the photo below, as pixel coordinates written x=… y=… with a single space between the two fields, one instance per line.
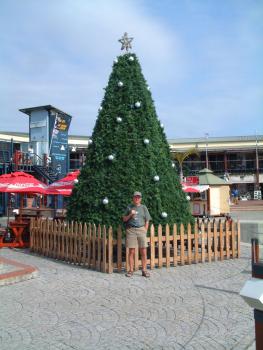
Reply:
x=63 y=56
x=60 y=52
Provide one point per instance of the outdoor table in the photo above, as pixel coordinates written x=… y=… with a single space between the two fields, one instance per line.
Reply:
x=38 y=212
x=18 y=228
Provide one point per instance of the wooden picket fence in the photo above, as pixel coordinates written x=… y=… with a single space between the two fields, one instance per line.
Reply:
x=100 y=248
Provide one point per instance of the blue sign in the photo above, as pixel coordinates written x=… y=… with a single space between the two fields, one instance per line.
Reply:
x=58 y=150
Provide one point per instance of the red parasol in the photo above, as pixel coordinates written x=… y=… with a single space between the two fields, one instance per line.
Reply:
x=65 y=185
x=20 y=182
x=194 y=188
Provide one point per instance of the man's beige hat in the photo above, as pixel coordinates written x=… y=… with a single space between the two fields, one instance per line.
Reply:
x=137 y=194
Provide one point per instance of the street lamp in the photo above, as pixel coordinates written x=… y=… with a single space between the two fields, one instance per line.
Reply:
x=206 y=152
x=257 y=164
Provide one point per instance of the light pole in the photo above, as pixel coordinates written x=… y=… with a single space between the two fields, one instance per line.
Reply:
x=257 y=164
x=206 y=152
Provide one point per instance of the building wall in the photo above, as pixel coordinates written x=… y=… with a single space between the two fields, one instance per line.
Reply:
x=38 y=132
x=232 y=158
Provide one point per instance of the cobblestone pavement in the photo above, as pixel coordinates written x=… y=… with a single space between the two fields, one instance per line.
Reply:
x=68 y=307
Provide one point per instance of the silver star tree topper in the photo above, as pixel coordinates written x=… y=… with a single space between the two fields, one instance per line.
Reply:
x=126 y=42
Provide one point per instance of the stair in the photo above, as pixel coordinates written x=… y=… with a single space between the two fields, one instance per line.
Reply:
x=46 y=172
x=251 y=205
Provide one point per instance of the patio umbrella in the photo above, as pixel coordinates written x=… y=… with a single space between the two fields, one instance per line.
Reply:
x=194 y=188
x=65 y=185
x=20 y=182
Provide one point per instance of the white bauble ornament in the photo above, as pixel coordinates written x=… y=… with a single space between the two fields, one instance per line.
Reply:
x=137 y=104
x=76 y=181
x=116 y=60
x=148 y=88
x=105 y=201
x=119 y=119
x=188 y=198
x=90 y=141
x=111 y=157
x=156 y=178
x=146 y=141
x=173 y=165
x=162 y=125
x=120 y=83
x=164 y=214
x=131 y=58
x=100 y=108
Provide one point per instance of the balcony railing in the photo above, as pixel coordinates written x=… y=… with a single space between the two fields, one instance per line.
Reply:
x=246 y=166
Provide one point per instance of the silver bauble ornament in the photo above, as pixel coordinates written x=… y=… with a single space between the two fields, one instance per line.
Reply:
x=164 y=214
x=137 y=104
x=162 y=125
x=100 y=108
x=111 y=157
x=148 y=88
x=173 y=165
x=76 y=181
x=131 y=58
x=156 y=178
x=120 y=83
x=119 y=119
x=146 y=141
x=116 y=60
x=105 y=201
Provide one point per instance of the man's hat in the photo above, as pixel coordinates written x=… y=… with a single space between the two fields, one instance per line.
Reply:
x=137 y=194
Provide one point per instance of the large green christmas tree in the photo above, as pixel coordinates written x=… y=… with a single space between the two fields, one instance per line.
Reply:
x=129 y=152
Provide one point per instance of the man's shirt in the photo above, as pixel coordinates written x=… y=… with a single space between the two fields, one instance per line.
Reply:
x=142 y=215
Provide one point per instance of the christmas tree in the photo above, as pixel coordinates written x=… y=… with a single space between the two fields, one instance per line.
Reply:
x=129 y=152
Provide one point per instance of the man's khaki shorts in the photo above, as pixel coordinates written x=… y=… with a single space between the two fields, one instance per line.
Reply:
x=136 y=236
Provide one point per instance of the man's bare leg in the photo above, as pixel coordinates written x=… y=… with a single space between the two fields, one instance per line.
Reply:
x=143 y=252
x=131 y=258
x=144 y=258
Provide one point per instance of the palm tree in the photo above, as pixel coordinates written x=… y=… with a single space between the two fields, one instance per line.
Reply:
x=182 y=156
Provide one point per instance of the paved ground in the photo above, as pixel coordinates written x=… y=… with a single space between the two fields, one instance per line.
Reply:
x=67 y=307
x=247 y=215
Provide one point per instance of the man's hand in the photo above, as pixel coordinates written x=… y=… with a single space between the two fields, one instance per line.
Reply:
x=128 y=217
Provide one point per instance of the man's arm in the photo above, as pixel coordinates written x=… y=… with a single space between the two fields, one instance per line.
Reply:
x=146 y=225
x=126 y=218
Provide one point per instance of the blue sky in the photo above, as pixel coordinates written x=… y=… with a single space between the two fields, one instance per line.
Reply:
x=202 y=59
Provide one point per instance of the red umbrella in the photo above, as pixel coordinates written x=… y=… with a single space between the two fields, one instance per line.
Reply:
x=194 y=188
x=190 y=190
x=62 y=192
x=20 y=182
x=65 y=185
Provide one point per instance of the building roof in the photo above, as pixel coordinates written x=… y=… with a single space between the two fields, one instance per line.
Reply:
x=218 y=139
x=206 y=177
x=39 y=108
x=228 y=144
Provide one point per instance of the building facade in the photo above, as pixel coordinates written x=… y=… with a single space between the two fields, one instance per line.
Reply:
x=238 y=159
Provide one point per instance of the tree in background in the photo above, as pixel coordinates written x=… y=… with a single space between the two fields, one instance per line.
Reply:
x=129 y=152
x=180 y=157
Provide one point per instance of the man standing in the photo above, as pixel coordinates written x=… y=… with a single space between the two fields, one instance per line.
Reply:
x=137 y=219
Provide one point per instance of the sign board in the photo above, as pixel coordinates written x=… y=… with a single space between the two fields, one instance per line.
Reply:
x=58 y=149
x=192 y=180
x=257 y=195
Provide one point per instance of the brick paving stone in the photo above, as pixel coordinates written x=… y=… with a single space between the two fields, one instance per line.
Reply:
x=67 y=307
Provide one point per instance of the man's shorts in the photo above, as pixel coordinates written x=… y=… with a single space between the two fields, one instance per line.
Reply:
x=136 y=236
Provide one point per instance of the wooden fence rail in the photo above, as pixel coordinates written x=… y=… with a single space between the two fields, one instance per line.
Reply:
x=100 y=248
